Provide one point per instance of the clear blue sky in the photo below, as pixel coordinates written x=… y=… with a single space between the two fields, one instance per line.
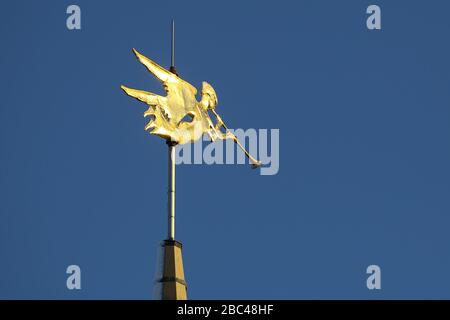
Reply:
x=364 y=119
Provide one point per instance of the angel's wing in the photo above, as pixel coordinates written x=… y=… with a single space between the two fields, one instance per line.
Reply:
x=147 y=97
x=180 y=94
x=161 y=73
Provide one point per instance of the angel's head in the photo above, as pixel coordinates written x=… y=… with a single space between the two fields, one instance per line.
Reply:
x=209 y=96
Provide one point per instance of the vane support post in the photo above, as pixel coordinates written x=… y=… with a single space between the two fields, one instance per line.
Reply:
x=171 y=191
x=172 y=155
x=170 y=283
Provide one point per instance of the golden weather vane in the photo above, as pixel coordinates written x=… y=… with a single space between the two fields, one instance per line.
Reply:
x=178 y=117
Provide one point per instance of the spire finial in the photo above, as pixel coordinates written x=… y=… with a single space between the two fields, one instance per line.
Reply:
x=172 y=56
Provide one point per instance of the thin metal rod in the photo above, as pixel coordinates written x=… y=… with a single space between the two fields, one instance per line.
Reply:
x=171 y=192
x=172 y=60
x=172 y=155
